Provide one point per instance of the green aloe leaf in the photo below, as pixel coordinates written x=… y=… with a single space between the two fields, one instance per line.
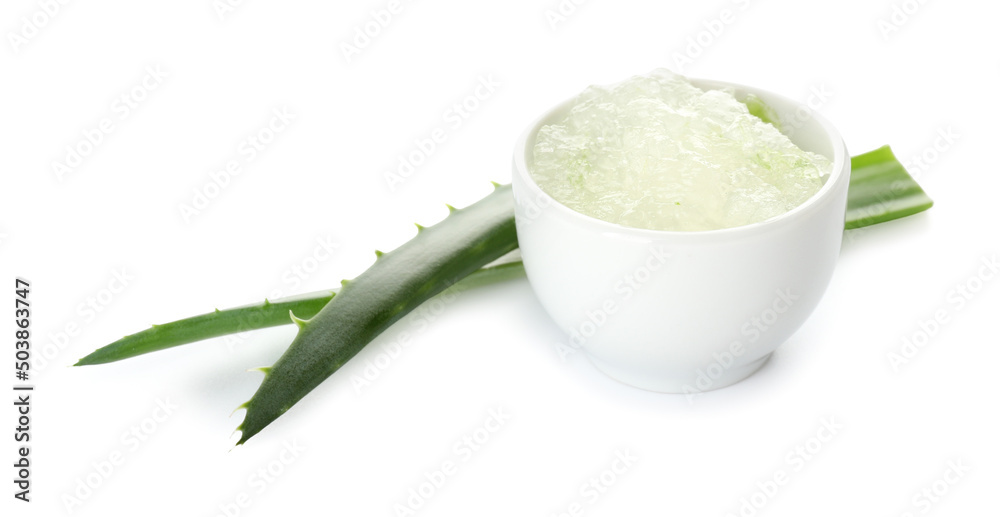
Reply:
x=396 y=284
x=881 y=190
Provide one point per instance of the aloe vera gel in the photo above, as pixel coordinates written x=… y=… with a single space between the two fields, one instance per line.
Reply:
x=657 y=152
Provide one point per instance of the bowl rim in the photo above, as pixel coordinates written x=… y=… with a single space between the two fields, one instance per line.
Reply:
x=840 y=172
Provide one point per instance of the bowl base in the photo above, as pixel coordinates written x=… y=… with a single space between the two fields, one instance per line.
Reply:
x=665 y=384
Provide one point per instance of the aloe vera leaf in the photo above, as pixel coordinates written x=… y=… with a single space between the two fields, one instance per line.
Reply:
x=881 y=190
x=253 y=317
x=397 y=283
x=212 y=324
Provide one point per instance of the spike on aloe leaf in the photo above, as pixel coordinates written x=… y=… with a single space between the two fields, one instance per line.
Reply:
x=378 y=254
x=496 y=185
x=301 y=323
x=451 y=209
x=263 y=369
x=239 y=407
x=420 y=227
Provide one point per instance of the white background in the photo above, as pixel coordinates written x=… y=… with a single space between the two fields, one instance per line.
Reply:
x=324 y=178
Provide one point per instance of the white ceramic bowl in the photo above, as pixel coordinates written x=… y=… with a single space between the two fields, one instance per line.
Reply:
x=683 y=312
